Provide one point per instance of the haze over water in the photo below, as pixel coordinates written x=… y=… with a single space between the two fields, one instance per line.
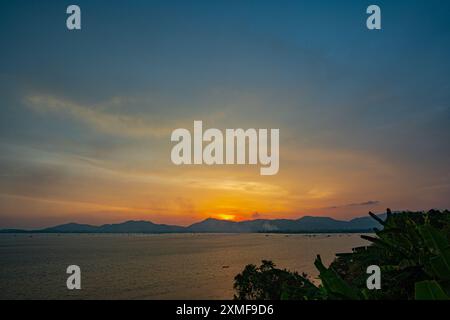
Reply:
x=169 y=266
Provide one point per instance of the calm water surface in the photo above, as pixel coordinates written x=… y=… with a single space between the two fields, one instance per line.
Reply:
x=174 y=266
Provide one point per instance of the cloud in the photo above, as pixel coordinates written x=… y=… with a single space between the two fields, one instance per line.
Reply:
x=99 y=118
x=360 y=204
x=240 y=186
x=318 y=194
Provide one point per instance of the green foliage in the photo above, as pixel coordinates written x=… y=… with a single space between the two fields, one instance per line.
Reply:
x=269 y=283
x=429 y=290
x=438 y=265
x=412 y=250
x=412 y=247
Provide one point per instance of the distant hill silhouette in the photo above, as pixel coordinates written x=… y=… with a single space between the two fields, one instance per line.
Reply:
x=305 y=224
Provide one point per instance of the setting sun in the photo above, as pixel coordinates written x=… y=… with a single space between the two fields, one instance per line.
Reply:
x=228 y=217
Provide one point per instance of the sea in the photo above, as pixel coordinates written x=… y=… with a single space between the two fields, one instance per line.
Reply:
x=153 y=266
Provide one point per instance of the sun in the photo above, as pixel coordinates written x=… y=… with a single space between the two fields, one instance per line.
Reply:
x=228 y=217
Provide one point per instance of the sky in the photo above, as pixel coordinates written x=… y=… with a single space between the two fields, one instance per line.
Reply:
x=86 y=116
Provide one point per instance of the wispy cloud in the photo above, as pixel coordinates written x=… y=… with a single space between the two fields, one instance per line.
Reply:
x=99 y=118
x=360 y=204
x=239 y=186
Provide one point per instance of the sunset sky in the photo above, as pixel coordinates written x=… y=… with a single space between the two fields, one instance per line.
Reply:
x=86 y=116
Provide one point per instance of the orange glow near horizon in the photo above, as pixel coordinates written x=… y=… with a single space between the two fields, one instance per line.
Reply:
x=312 y=181
x=227 y=217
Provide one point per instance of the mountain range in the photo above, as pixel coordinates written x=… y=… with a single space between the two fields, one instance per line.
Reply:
x=305 y=224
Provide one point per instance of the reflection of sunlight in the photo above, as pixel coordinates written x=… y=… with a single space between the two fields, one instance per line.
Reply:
x=228 y=217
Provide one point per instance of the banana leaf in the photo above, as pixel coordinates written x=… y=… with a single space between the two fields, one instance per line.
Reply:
x=429 y=290
x=334 y=284
x=440 y=247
